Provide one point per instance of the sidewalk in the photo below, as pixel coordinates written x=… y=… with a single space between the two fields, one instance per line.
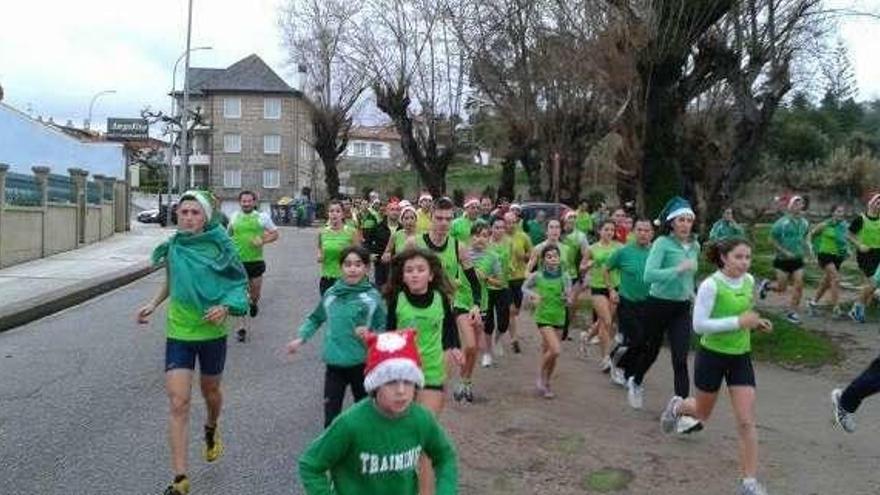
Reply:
x=38 y=288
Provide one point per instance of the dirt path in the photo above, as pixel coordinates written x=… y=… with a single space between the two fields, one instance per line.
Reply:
x=512 y=442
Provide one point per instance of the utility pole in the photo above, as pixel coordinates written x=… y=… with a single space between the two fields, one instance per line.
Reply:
x=184 y=117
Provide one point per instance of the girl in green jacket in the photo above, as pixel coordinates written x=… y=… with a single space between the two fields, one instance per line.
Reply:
x=351 y=303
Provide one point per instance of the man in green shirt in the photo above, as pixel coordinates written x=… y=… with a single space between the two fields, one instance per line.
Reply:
x=789 y=238
x=727 y=227
x=536 y=228
x=250 y=230
x=630 y=262
x=375 y=446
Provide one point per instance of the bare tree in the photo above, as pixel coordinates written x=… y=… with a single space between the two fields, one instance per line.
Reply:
x=417 y=73
x=319 y=35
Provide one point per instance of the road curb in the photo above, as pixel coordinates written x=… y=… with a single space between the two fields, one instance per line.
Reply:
x=53 y=302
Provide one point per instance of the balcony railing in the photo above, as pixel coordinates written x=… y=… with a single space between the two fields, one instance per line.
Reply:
x=195 y=159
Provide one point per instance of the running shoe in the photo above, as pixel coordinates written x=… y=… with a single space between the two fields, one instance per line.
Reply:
x=838 y=313
x=687 y=425
x=793 y=318
x=617 y=376
x=487 y=360
x=540 y=387
x=548 y=394
x=213 y=444
x=242 y=334
x=813 y=307
x=180 y=486
x=634 y=394
x=606 y=365
x=618 y=353
x=751 y=487
x=857 y=313
x=254 y=310
x=842 y=418
x=468 y=392
x=498 y=350
x=670 y=416
x=763 y=287
x=458 y=393
x=515 y=346
x=594 y=340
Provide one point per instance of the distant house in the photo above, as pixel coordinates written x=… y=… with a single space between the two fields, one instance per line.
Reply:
x=256 y=133
x=372 y=149
x=26 y=142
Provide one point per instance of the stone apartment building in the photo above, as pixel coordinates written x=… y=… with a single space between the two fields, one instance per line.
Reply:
x=255 y=133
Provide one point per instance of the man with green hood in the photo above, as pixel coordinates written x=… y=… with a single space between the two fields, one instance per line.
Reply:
x=205 y=283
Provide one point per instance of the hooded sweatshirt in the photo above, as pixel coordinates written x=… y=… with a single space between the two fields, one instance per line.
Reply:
x=345 y=307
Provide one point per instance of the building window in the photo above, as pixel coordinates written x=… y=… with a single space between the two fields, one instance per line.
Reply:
x=360 y=149
x=232 y=143
x=272 y=144
x=232 y=108
x=272 y=108
x=305 y=151
x=232 y=178
x=271 y=178
x=376 y=150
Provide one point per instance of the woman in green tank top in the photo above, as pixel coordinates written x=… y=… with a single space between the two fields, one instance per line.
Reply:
x=418 y=296
x=724 y=317
x=401 y=237
x=549 y=290
x=603 y=290
x=830 y=243
x=332 y=239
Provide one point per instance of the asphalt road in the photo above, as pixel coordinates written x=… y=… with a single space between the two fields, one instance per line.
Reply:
x=83 y=406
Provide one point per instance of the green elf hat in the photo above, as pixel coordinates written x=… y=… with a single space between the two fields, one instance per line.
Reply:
x=204 y=198
x=675 y=207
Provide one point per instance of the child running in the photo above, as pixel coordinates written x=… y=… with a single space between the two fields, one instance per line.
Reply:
x=488 y=267
x=349 y=304
x=832 y=247
x=375 y=446
x=549 y=291
x=333 y=238
x=521 y=248
x=418 y=296
x=603 y=287
x=724 y=317
x=499 y=294
x=789 y=238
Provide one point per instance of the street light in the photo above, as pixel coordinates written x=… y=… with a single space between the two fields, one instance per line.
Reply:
x=173 y=113
x=88 y=121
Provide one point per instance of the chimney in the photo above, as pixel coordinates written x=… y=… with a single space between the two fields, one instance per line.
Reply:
x=51 y=120
x=299 y=77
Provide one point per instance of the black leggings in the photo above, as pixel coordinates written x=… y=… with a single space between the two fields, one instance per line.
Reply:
x=672 y=318
x=499 y=307
x=866 y=385
x=336 y=379
x=325 y=283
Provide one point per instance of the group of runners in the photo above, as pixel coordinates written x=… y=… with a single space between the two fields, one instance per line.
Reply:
x=458 y=285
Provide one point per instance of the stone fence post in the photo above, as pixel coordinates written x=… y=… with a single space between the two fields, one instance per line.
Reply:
x=41 y=175
x=78 y=179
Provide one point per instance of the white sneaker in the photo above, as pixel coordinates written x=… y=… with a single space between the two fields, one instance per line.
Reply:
x=594 y=340
x=606 y=364
x=634 y=394
x=687 y=424
x=845 y=420
x=617 y=377
x=750 y=488
x=487 y=360
x=670 y=415
x=498 y=349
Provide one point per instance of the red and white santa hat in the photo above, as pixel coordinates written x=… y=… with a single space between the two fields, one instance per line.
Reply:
x=787 y=199
x=872 y=197
x=392 y=356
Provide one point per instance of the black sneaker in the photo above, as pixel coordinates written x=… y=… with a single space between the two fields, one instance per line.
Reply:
x=763 y=287
x=516 y=348
x=242 y=334
x=254 y=310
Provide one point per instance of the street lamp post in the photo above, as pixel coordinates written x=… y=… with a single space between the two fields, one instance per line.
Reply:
x=174 y=113
x=88 y=122
x=184 y=120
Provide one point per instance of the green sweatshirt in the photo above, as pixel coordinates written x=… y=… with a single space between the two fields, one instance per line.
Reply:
x=630 y=260
x=345 y=307
x=661 y=269
x=726 y=230
x=368 y=453
x=791 y=233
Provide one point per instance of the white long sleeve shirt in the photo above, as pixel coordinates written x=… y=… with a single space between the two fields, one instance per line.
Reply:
x=705 y=302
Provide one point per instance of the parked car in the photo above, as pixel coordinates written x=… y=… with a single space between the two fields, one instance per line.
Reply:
x=553 y=210
x=148 y=216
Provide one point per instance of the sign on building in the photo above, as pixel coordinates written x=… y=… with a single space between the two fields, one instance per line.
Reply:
x=127 y=128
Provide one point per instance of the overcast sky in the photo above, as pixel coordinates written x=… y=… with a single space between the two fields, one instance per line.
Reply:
x=56 y=54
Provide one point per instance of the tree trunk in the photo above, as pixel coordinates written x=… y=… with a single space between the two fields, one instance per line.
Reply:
x=331 y=177
x=507 y=181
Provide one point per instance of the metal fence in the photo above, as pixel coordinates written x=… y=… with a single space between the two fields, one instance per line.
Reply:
x=22 y=190
x=92 y=193
x=60 y=189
